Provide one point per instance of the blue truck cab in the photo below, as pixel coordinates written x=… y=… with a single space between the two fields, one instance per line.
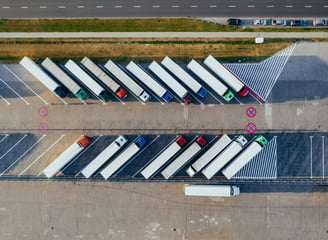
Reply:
x=141 y=141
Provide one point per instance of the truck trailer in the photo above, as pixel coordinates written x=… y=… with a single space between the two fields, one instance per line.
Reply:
x=104 y=156
x=103 y=77
x=44 y=78
x=127 y=81
x=123 y=158
x=163 y=157
x=88 y=81
x=242 y=159
x=181 y=74
x=149 y=82
x=226 y=75
x=210 y=80
x=175 y=86
x=62 y=77
x=224 y=157
x=183 y=158
x=207 y=157
x=66 y=156
x=211 y=190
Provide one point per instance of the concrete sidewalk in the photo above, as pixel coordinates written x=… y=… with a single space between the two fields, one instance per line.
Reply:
x=163 y=34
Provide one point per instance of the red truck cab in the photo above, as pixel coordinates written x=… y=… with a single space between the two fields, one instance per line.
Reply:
x=181 y=141
x=84 y=141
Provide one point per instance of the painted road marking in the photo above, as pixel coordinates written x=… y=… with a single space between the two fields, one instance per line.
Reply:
x=4 y=100
x=251 y=6
x=288 y=6
x=43 y=6
x=43 y=111
x=5 y=7
x=307 y=6
x=138 y=6
x=25 y=84
x=323 y=156
x=311 y=137
x=61 y=6
x=232 y=6
x=251 y=112
x=25 y=135
x=43 y=127
x=27 y=103
x=73 y=160
x=175 y=6
x=99 y=6
x=23 y=154
x=156 y=6
x=118 y=6
x=193 y=6
x=270 y=6
x=80 y=6
x=212 y=6
x=37 y=159
x=24 y=6
x=251 y=128
x=7 y=135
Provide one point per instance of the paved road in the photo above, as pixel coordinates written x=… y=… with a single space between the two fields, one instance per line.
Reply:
x=161 y=8
x=164 y=35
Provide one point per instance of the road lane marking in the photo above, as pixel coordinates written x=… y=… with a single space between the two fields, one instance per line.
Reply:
x=24 y=6
x=156 y=6
x=80 y=6
x=232 y=6
x=43 y=6
x=289 y=6
x=270 y=6
x=323 y=156
x=99 y=6
x=73 y=160
x=138 y=6
x=325 y=6
x=311 y=137
x=193 y=6
x=25 y=84
x=307 y=6
x=119 y=6
x=61 y=6
x=175 y=6
x=23 y=154
x=251 y=6
x=5 y=7
x=4 y=99
x=37 y=159
x=25 y=135
x=27 y=103
x=212 y=6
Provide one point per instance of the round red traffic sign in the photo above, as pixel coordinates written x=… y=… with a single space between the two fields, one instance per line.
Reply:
x=43 y=127
x=43 y=111
x=251 y=128
x=251 y=112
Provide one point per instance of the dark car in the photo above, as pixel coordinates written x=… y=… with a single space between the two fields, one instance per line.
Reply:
x=234 y=21
x=297 y=23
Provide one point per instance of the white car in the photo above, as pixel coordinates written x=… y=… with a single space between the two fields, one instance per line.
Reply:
x=260 y=22
x=279 y=22
x=319 y=22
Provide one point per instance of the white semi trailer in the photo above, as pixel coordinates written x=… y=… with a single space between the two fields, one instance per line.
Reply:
x=127 y=81
x=211 y=190
x=62 y=77
x=241 y=160
x=163 y=158
x=183 y=158
x=226 y=75
x=103 y=77
x=158 y=89
x=207 y=157
x=66 y=157
x=175 y=86
x=212 y=81
x=88 y=81
x=224 y=157
x=123 y=158
x=184 y=77
x=104 y=156
x=44 y=78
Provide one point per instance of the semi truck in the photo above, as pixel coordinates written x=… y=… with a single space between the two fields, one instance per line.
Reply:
x=149 y=82
x=66 y=156
x=88 y=81
x=103 y=77
x=224 y=157
x=207 y=157
x=44 y=78
x=181 y=74
x=127 y=81
x=210 y=80
x=244 y=157
x=62 y=77
x=123 y=158
x=183 y=158
x=175 y=86
x=104 y=156
x=226 y=75
x=211 y=190
x=163 y=157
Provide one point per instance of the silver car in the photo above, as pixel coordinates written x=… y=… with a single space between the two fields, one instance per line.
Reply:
x=260 y=22
x=319 y=22
x=279 y=22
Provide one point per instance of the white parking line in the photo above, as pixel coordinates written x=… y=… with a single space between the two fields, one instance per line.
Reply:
x=175 y=6
x=232 y=6
x=307 y=6
x=311 y=137
x=80 y=6
x=214 y=97
x=41 y=156
x=25 y=135
x=24 y=6
x=323 y=156
x=289 y=6
x=27 y=103
x=326 y=6
x=61 y=6
x=138 y=6
x=99 y=6
x=193 y=6
x=70 y=163
x=4 y=100
x=43 y=6
x=25 y=84
x=251 y=6
x=119 y=6
x=23 y=155
x=238 y=100
x=194 y=97
x=5 y=7
x=212 y=6
x=270 y=6
x=156 y=6
x=7 y=135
